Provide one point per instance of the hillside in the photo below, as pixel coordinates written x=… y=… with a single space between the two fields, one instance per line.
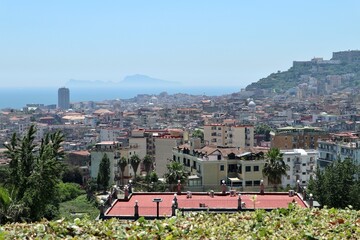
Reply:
x=341 y=72
x=293 y=223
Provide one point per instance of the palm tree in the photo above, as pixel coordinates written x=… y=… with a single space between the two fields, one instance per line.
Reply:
x=123 y=162
x=148 y=163
x=175 y=172
x=135 y=161
x=275 y=166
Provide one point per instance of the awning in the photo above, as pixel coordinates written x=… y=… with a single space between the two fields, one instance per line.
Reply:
x=235 y=180
x=193 y=177
x=243 y=154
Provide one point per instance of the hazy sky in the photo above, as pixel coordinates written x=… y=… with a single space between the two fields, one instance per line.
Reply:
x=198 y=42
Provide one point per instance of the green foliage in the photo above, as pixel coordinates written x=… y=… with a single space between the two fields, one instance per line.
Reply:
x=148 y=163
x=69 y=191
x=72 y=174
x=79 y=207
x=263 y=129
x=198 y=134
x=103 y=177
x=274 y=167
x=294 y=223
x=135 y=162
x=123 y=162
x=175 y=172
x=35 y=170
x=337 y=185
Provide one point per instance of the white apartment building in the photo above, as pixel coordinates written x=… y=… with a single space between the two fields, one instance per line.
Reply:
x=302 y=166
x=111 y=134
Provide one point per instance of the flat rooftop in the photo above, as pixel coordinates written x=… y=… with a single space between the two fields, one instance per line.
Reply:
x=199 y=201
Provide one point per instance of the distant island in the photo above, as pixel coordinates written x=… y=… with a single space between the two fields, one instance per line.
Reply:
x=129 y=81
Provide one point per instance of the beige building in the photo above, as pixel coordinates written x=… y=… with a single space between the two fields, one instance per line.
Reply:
x=163 y=152
x=223 y=135
x=209 y=166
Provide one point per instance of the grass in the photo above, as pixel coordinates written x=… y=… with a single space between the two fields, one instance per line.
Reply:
x=78 y=208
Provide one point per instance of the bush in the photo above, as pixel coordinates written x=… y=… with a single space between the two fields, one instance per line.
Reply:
x=69 y=191
x=292 y=223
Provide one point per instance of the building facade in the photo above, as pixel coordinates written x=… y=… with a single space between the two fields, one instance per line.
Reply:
x=63 y=98
x=339 y=146
x=296 y=137
x=223 y=135
x=302 y=166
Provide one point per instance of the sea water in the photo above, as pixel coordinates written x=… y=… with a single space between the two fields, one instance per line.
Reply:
x=18 y=97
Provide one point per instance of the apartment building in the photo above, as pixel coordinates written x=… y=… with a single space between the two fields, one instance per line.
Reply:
x=296 y=137
x=209 y=166
x=302 y=166
x=339 y=145
x=223 y=135
x=114 y=152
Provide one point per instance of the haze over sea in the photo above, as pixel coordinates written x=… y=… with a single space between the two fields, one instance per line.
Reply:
x=18 y=97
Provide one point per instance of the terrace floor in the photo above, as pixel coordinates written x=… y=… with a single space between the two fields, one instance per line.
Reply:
x=198 y=201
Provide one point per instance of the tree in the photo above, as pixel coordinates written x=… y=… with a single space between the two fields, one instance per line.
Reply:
x=35 y=172
x=72 y=174
x=148 y=163
x=123 y=162
x=274 y=167
x=175 y=172
x=198 y=134
x=103 y=176
x=134 y=162
x=337 y=185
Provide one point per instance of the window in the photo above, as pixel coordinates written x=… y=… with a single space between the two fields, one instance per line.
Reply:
x=304 y=173
x=248 y=183
x=288 y=159
x=174 y=157
x=304 y=164
x=218 y=157
x=248 y=169
x=222 y=167
x=288 y=177
x=256 y=168
x=257 y=183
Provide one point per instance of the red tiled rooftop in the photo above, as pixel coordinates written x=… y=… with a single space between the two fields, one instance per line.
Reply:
x=147 y=207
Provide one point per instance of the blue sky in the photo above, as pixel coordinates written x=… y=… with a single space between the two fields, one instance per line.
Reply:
x=232 y=43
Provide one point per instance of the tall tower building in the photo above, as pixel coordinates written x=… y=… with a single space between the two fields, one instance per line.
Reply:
x=64 y=98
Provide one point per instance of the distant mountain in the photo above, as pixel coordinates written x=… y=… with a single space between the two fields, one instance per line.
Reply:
x=136 y=80
x=340 y=72
x=143 y=80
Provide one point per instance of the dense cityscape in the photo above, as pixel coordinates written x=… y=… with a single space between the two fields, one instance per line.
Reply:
x=182 y=120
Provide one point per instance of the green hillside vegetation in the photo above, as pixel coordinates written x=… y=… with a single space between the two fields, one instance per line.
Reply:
x=282 y=81
x=292 y=223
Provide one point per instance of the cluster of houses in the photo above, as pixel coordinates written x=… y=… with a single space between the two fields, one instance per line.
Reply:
x=309 y=132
